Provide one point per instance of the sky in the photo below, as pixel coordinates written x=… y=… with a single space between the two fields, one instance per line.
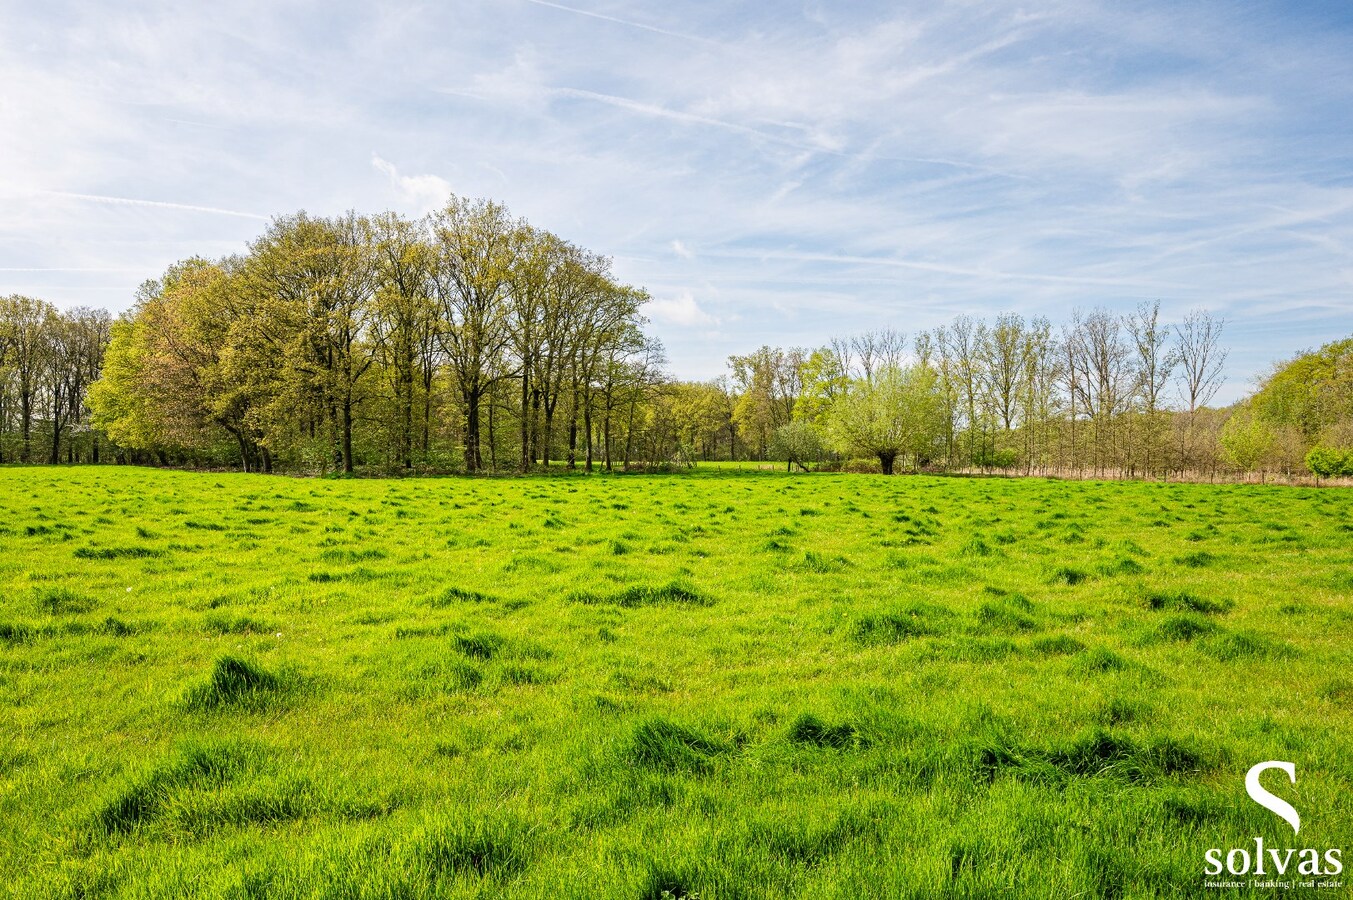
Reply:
x=772 y=173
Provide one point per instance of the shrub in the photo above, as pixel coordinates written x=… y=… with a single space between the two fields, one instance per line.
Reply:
x=1330 y=462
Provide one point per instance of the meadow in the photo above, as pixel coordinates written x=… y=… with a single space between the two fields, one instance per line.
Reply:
x=714 y=685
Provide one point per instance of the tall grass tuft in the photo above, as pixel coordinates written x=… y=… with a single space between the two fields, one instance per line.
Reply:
x=237 y=682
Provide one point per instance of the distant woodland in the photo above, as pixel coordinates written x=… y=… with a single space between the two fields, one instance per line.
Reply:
x=471 y=341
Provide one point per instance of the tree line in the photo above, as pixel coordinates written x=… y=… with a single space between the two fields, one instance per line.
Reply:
x=469 y=340
x=1104 y=393
x=48 y=360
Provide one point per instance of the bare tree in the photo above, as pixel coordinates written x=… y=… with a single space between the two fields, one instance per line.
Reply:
x=878 y=350
x=1200 y=358
x=1154 y=362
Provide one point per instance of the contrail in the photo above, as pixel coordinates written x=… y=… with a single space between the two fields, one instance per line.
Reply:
x=64 y=269
x=640 y=25
x=161 y=204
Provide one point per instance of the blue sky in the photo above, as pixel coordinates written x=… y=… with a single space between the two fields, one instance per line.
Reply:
x=772 y=172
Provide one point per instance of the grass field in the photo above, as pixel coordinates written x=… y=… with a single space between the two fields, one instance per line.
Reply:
x=723 y=685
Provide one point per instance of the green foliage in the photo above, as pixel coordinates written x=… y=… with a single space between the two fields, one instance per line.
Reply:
x=797 y=443
x=1330 y=462
x=898 y=413
x=1313 y=393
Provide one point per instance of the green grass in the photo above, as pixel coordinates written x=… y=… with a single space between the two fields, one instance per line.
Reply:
x=730 y=684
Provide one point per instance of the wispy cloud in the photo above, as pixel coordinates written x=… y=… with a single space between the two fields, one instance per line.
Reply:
x=156 y=204
x=628 y=23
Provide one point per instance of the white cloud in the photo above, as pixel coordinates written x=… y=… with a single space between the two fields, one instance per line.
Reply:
x=678 y=310
x=681 y=250
x=424 y=192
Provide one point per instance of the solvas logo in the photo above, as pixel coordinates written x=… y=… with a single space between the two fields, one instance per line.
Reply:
x=1276 y=863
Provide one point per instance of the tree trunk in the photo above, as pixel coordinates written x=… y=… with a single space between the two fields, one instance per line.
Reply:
x=629 y=436
x=406 y=437
x=573 y=434
x=886 y=458
x=493 y=441
x=549 y=432
x=606 y=436
x=26 y=417
x=347 y=434
x=525 y=420
x=472 y=460
x=587 y=429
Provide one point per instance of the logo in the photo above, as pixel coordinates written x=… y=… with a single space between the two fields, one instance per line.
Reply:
x=1303 y=867
x=1276 y=805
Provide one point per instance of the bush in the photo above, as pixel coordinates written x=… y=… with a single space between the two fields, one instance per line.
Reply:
x=797 y=443
x=996 y=459
x=1330 y=462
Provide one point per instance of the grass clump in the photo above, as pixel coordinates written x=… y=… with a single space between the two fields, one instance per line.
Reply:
x=218 y=623
x=1057 y=645
x=63 y=601
x=1006 y=615
x=1096 y=753
x=117 y=552
x=1098 y=660
x=1184 y=601
x=238 y=683
x=209 y=764
x=207 y=785
x=1123 y=565
x=484 y=645
x=491 y=847
x=668 y=747
x=1068 y=576
x=453 y=595
x=1122 y=711
x=809 y=729
x=1234 y=646
x=1102 y=753
x=673 y=593
x=894 y=627
x=1184 y=628
x=821 y=564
